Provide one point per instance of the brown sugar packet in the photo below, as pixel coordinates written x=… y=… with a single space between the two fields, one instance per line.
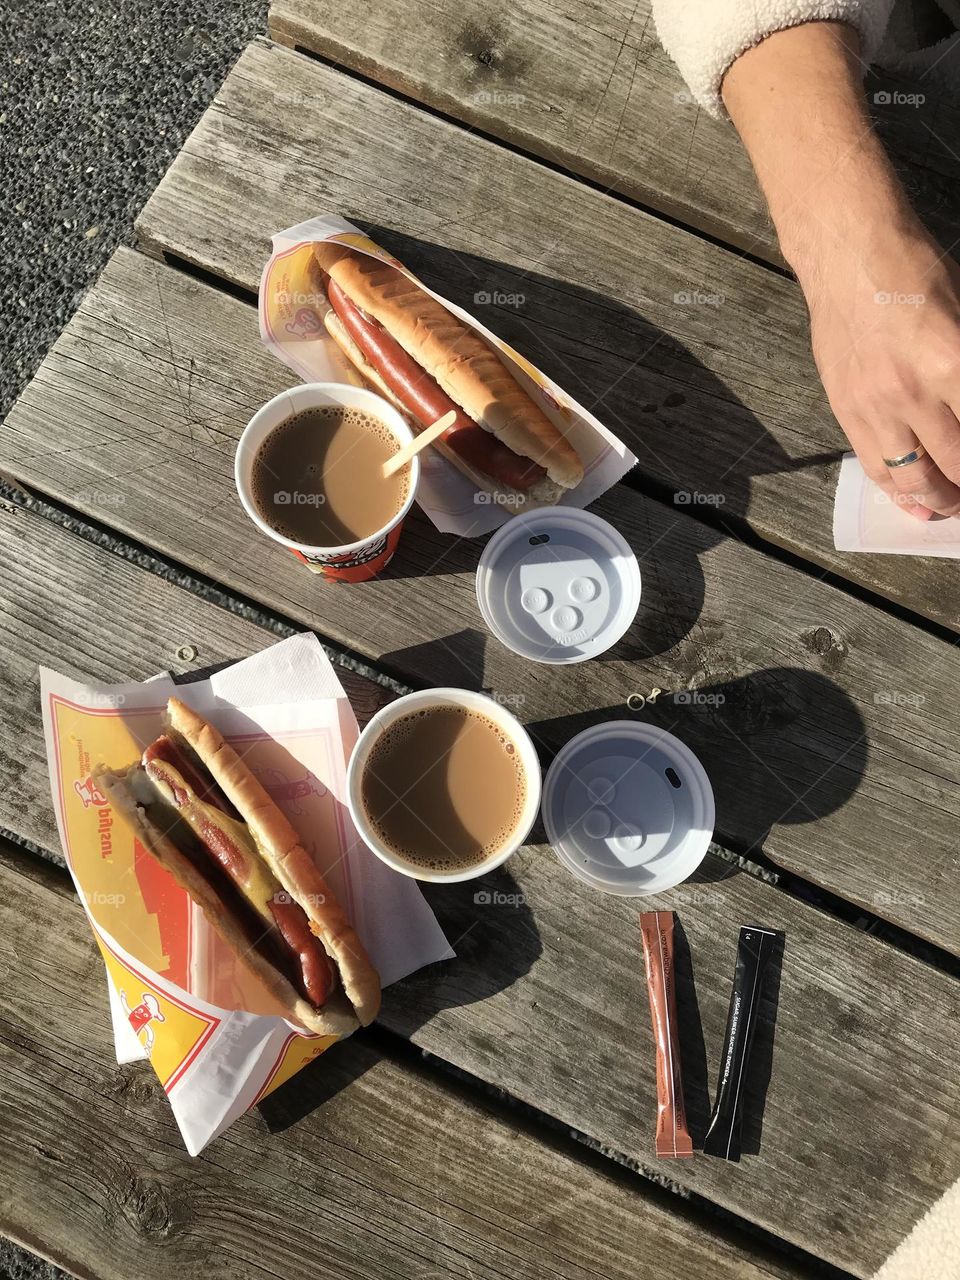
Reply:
x=673 y=1138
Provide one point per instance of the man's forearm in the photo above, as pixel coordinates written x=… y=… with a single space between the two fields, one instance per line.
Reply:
x=797 y=101
x=883 y=299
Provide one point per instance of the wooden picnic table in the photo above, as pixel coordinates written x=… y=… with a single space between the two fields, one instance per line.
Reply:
x=498 y=1119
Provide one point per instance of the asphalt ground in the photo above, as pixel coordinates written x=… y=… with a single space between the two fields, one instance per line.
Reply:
x=96 y=99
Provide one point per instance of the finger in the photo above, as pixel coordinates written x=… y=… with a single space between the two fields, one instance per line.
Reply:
x=940 y=433
x=868 y=450
x=921 y=480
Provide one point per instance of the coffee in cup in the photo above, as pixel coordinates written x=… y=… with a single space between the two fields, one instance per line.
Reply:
x=444 y=784
x=309 y=472
x=318 y=476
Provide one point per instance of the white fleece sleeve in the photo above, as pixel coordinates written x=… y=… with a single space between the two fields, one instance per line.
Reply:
x=704 y=37
x=932 y=1249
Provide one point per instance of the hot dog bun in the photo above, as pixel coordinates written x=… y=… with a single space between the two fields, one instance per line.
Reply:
x=543 y=494
x=467 y=369
x=283 y=859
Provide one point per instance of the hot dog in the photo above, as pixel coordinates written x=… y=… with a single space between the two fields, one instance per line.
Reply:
x=427 y=361
x=422 y=396
x=200 y=811
x=202 y=805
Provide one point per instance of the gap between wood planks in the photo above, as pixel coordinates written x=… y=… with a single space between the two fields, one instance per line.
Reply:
x=553 y=165
x=758 y=865
x=653 y=1186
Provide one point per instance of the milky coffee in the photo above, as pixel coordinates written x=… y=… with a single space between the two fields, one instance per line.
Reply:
x=317 y=477
x=444 y=788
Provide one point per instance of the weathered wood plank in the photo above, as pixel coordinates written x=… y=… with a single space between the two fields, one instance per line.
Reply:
x=719 y=399
x=852 y=1045
x=360 y=1167
x=546 y=999
x=588 y=87
x=828 y=747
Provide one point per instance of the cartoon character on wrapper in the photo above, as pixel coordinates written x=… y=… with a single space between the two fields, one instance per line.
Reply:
x=141 y=1017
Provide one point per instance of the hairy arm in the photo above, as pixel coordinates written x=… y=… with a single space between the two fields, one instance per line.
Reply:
x=884 y=301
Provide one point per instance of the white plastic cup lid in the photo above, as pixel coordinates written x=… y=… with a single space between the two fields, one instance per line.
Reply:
x=558 y=585
x=628 y=808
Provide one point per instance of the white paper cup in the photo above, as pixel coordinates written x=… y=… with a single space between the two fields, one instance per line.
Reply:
x=433 y=698
x=355 y=561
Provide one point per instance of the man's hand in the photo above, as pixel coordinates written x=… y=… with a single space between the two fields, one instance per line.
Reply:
x=885 y=326
x=884 y=301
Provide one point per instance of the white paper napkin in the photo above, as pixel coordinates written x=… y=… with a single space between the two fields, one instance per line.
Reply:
x=866 y=519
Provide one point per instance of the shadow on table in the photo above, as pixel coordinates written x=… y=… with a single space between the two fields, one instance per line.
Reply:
x=457 y=659
x=697 y=442
x=492 y=930
x=314 y=1085
x=780 y=745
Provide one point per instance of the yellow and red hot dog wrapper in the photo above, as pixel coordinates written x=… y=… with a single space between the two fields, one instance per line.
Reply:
x=216 y=1038
x=291 y=325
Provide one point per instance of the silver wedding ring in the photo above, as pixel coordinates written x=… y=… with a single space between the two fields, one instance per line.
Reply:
x=906 y=458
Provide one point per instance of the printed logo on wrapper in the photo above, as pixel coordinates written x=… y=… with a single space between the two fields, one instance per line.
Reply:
x=292 y=308
x=89 y=793
x=293 y=330
x=375 y=556
x=291 y=794
x=171 y=1032
x=306 y=323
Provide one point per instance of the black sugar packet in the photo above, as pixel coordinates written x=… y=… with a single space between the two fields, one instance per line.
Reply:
x=754 y=950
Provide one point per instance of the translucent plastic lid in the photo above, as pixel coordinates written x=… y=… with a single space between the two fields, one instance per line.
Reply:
x=558 y=585
x=628 y=808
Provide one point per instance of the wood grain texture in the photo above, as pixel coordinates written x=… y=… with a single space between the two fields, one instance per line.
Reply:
x=360 y=1167
x=546 y=998
x=856 y=1046
x=589 y=87
x=698 y=359
x=829 y=729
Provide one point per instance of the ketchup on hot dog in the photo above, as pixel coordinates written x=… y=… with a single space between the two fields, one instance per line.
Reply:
x=205 y=788
x=303 y=956
x=423 y=397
